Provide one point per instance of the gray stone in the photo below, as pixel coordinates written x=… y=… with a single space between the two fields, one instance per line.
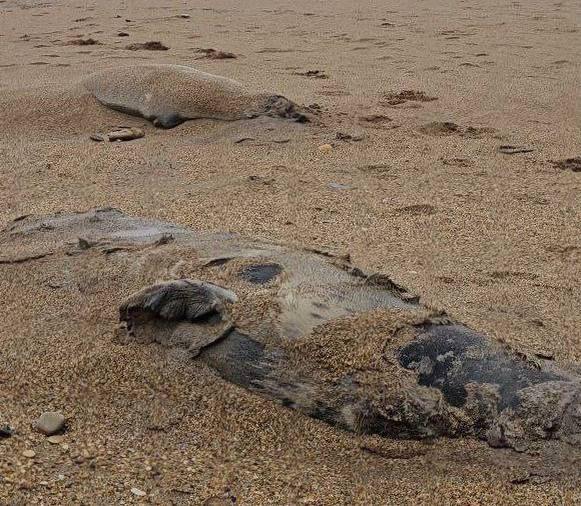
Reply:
x=50 y=422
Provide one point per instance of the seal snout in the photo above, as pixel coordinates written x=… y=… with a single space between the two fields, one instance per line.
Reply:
x=277 y=105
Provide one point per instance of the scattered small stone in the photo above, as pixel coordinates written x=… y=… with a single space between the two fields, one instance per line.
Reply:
x=6 y=431
x=325 y=147
x=153 y=45
x=138 y=492
x=29 y=454
x=185 y=16
x=50 y=422
x=55 y=439
x=120 y=134
x=511 y=150
x=122 y=34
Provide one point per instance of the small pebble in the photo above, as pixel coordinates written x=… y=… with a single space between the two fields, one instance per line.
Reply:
x=325 y=147
x=185 y=16
x=50 y=422
x=55 y=439
x=138 y=492
x=29 y=454
x=339 y=186
x=6 y=431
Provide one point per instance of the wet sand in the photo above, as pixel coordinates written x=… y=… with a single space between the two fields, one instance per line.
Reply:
x=420 y=191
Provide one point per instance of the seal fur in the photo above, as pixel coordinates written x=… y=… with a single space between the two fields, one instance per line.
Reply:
x=168 y=95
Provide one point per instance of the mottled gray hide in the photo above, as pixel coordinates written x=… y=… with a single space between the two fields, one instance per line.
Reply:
x=433 y=377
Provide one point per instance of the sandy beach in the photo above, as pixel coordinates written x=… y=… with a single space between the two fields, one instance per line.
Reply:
x=443 y=151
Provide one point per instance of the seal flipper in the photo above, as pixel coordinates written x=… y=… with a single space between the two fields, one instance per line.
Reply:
x=176 y=300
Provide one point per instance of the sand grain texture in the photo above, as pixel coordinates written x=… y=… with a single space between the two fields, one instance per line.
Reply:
x=492 y=238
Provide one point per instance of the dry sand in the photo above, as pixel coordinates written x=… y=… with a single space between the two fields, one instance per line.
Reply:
x=493 y=238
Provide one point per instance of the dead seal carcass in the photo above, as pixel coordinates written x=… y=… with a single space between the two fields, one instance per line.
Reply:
x=309 y=331
x=168 y=95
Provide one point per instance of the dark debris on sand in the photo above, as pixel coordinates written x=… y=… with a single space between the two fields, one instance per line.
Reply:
x=572 y=164
x=215 y=54
x=148 y=46
x=313 y=74
x=83 y=42
x=403 y=96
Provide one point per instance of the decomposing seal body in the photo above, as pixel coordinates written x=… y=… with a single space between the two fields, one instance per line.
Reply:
x=168 y=95
x=309 y=331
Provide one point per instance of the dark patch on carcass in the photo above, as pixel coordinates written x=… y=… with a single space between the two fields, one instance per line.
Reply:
x=448 y=357
x=260 y=274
